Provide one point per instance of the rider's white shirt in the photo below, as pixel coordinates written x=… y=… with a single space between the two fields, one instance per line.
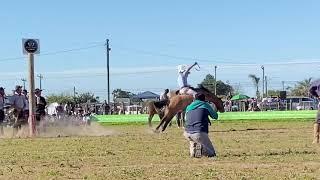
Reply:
x=182 y=80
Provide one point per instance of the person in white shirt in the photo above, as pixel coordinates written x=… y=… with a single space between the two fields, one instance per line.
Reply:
x=183 y=73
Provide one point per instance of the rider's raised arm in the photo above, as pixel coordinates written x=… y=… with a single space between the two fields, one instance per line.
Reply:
x=190 y=67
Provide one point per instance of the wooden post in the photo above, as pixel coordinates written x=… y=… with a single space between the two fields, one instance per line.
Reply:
x=32 y=104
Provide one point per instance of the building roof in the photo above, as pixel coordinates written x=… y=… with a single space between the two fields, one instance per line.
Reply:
x=147 y=95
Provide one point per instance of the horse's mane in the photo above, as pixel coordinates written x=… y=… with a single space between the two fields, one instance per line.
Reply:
x=201 y=87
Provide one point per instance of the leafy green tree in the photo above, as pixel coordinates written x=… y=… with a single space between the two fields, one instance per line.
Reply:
x=119 y=93
x=222 y=88
x=63 y=98
x=86 y=97
x=255 y=81
x=301 y=88
x=273 y=92
x=59 y=98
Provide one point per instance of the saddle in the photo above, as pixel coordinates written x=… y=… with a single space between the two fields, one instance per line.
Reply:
x=197 y=90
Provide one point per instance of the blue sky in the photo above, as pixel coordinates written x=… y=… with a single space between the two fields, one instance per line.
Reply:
x=150 y=38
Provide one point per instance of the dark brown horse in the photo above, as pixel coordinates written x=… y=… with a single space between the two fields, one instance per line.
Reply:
x=180 y=102
x=156 y=107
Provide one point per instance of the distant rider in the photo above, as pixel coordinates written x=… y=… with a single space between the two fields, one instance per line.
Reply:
x=164 y=96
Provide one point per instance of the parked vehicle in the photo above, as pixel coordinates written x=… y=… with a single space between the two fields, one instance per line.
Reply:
x=302 y=103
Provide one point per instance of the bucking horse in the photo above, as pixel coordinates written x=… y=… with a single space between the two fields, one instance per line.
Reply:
x=179 y=103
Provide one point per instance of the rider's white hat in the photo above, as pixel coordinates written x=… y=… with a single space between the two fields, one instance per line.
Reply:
x=182 y=68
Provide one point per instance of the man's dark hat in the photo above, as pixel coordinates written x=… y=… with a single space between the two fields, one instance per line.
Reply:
x=37 y=90
x=18 y=87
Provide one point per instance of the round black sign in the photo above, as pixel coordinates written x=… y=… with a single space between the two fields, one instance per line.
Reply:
x=31 y=45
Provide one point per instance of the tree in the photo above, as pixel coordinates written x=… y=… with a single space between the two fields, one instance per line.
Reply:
x=64 y=99
x=273 y=92
x=222 y=88
x=118 y=93
x=255 y=81
x=60 y=98
x=301 y=88
x=86 y=97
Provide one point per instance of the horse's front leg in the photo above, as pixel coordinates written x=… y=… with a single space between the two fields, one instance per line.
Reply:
x=161 y=122
x=178 y=116
x=150 y=119
x=167 y=121
x=183 y=115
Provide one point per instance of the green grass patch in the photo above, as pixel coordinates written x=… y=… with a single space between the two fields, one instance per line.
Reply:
x=227 y=116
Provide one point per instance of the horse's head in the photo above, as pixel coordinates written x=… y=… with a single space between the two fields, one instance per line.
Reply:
x=214 y=99
x=173 y=93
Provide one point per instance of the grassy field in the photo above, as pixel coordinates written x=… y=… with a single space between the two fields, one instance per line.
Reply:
x=227 y=116
x=246 y=150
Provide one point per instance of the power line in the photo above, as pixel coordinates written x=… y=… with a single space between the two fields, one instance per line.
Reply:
x=70 y=50
x=228 y=63
x=216 y=60
x=56 y=52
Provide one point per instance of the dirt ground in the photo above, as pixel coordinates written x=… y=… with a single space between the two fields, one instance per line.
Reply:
x=246 y=150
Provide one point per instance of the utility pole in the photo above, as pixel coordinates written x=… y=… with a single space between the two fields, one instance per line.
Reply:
x=108 y=73
x=40 y=79
x=74 y=91
x=31 y=47
x=24 y=83
x=215 y=80
x=266 y=86
x=32 y=102
x=282 y=85
x=262 y=67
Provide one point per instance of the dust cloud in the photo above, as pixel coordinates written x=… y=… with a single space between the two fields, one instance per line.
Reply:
x=66 y=127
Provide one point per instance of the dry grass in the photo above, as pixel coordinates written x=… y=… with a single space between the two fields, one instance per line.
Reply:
x=246 y=150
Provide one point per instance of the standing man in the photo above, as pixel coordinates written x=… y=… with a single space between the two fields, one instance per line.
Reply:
x=2 y=116
x=197 y=127
x=19 y=104
x=40 y=105
x=315 y=91
x=26 y=108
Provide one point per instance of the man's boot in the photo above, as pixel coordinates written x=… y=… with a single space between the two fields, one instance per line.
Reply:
x=315 y=133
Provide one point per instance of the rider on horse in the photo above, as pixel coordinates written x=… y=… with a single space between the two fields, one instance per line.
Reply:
x=184 y=71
